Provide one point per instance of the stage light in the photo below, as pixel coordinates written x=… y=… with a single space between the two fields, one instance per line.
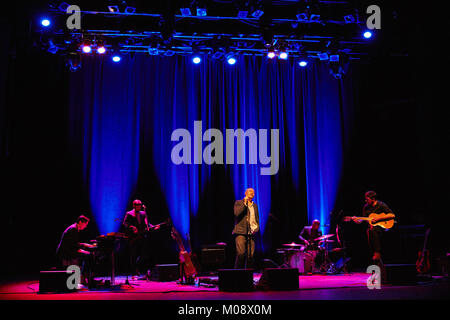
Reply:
x=169 y=53
x=74 y=61
x=130 y=10
x=334 y=57
x=315 y=17
x=303 y=63
x=52 y=48
x=45 y=22
x=153 y=51
x=63 y=7
x=101 y=50
x=367 y=34
x=116 y=58
x=113 y=9
x=349 y=19
x=201 y=12
x=196 y=60
x=302 y=17
x=242 y=14
x=217 y=55
x=231 y=59
x=267 y=36
x=185 y=12
x=323 y=56
x=257 y=14
x=271 y=52
x=86 y=48
x=283 y=55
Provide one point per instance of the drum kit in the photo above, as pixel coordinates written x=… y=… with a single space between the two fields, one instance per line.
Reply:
x=314 y=258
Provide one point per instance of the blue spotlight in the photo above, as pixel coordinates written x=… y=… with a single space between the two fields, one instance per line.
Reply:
x=45 y=22
x=231 y=60
x=367 y=34
x=116 y=58
x=196 y=60
x=303 y=63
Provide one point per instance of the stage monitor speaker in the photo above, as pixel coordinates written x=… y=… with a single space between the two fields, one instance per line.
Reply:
x=54 y=281
x=165 y=272
x=280 y=279
x=400 y=274
x=213 y=257
x=236 y=280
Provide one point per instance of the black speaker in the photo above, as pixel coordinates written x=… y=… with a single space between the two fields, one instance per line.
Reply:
x=236 y=280
x=280 y=279
x=400 y=274
x=54 y=281
x=165 y=272
x=212 y=257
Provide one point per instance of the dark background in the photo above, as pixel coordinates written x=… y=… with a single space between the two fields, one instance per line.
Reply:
x=398 y=147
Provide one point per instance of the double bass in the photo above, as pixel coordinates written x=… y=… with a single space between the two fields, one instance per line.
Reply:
x=188 y=271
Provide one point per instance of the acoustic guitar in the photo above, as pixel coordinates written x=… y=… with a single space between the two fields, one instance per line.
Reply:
x=188 y=270
x=383 y=220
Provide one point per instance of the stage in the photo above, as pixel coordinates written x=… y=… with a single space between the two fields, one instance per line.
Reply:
x=267 y=134
x=350 y=286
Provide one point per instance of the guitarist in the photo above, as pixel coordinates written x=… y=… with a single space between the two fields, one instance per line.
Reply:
x=373 y=205
x=136 y=225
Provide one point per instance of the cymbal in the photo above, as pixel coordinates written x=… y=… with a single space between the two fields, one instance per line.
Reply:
x=292 y=244
x=324 y=237
x=328 y=241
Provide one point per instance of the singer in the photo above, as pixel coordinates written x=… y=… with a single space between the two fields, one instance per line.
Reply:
x=246 y=225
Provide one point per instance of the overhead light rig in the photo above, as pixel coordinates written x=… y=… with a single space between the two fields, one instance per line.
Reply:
x=302 y=28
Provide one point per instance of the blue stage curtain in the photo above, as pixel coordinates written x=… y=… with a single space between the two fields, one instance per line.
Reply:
x=119 y=111
x=327 y=105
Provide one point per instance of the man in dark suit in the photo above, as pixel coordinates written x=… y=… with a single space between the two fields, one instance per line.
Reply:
x=246 y=225
x=136 y=224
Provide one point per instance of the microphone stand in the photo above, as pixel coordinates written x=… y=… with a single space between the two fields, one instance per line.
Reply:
x=247 y=246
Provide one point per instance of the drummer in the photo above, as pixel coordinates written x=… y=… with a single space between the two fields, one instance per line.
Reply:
x=309 y=233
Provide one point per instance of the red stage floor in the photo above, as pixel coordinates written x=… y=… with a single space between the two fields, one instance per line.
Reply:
x=330 y=287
